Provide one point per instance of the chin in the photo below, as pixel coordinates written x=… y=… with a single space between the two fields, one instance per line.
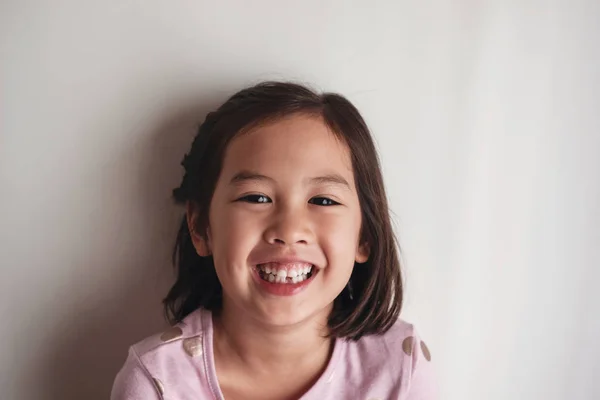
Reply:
x=289 y=316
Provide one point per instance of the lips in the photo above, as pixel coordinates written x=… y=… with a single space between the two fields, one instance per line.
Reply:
x=284 y=277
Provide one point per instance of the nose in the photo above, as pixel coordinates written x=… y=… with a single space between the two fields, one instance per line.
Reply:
x=289 y=227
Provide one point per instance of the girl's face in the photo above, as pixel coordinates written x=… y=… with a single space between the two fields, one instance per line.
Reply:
x=284 y=221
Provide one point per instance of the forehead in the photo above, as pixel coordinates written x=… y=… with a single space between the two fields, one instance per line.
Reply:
x=299 y=144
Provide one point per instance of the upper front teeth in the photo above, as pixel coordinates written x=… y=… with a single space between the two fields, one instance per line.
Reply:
x=283 y=273
x=297 y=273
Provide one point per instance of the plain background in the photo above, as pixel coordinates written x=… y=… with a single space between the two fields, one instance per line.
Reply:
x=486 y=114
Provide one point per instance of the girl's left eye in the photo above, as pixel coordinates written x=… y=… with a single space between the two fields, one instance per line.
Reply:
x=323 y=201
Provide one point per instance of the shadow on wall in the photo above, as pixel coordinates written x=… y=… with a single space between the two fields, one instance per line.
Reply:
x=90 y=351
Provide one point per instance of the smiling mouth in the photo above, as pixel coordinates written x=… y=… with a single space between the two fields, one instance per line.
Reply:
x=285 y=273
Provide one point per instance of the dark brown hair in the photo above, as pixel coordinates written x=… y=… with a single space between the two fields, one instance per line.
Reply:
x=372 y=300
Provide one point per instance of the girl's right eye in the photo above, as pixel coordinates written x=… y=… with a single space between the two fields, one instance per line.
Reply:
x=255 y=198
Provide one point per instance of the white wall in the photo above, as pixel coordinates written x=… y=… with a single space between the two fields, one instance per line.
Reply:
x=488 y=119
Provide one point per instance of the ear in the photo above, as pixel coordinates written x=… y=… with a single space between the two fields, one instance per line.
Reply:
x=363 y=251
x=199 y=239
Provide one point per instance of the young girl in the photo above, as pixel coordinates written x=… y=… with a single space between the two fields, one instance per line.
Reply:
x=288 y=277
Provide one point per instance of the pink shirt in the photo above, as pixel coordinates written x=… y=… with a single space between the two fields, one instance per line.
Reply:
x=179 y=365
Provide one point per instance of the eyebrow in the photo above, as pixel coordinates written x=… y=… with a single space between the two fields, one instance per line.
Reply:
x=330 y=179
x=245 y=176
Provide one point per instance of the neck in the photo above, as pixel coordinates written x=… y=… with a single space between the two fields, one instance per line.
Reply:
x=271 y=349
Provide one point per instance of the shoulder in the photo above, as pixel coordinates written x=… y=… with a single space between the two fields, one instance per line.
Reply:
x=400 y=358
x=402 y=342
x=173 y=339
x=134 y=381
x=155 y=361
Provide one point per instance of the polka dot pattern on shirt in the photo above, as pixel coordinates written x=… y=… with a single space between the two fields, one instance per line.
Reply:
x=425 y=351
x=159 y=386
x=193 y=346
x=407 y=347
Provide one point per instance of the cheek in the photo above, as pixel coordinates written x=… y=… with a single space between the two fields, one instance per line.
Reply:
x=233 y=233
x=232 y=239
x=339 y=235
